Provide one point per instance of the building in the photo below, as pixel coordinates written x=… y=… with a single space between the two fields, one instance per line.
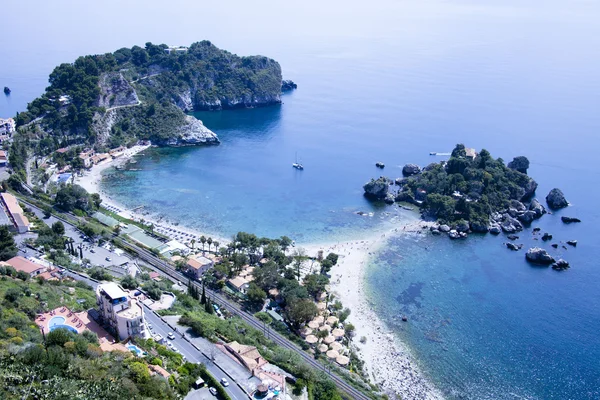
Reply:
x=86 y=157
x=239 y=284
x=3 y=158
x=22 y=264
x=117 y=152
x=120 y=312
x=470 y=152
x=7 y=126
x=98 y=158
x=198 y=265
x=176 y=49
x=14 y=210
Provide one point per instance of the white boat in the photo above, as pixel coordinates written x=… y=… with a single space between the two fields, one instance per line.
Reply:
x=297 y=165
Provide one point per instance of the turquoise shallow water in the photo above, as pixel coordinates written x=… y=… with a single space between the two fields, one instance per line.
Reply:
x=386 y=81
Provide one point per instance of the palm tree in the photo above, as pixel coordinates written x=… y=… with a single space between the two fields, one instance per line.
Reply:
x=216 y=246
x=202 y=240
x=193 y=242
x=209 y=241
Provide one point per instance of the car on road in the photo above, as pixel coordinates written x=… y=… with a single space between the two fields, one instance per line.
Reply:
x=92 y=251
x=224 y=382
x=171 y=336
x=108 y=259
x=213 y=391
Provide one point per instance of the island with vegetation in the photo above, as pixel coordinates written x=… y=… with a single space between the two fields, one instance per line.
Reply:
x=470 y=192
x=143 y=93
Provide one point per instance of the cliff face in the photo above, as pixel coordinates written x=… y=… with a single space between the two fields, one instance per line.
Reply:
x=116 y=91
x=191 y=133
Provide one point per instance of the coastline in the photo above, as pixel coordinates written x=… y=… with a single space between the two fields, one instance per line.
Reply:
x=90 y=181
x=388 y=361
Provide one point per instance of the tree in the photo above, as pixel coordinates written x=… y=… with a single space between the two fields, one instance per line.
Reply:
x=315 y=284
x=193 y=242
x=255 y=294
x=58 y=228
x=301 y=311
x=129 y=282
x=203 y=298
x=47 y=211
x=22 y=275
x=117 y=230
x=216 y=244
x=284 y=243
x=208 y=306
x=333 y=258
x=209 y=241
x=202 y=240
x=326 y=265
x=12 y=294
x=71 y=197
x=8 y=249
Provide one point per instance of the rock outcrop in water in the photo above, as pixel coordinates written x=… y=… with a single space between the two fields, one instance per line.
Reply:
x=377 y=189
x=539 y=256
x=556 y=199
x=288 y=85
x=569 y=220
x=520 y=164
x=411 y=169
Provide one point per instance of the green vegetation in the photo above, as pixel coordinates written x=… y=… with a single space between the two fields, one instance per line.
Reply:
x=467 y=189
x=8 y=249
x=71 y=110
x=73 y=197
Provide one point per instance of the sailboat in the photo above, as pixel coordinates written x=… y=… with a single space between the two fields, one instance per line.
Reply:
x=297 y=165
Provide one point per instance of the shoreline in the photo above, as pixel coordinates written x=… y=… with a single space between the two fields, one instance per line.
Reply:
x=387 y=360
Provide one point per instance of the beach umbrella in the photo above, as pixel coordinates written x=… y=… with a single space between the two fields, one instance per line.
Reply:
x=311 y=339
x=325 y=328
x=332 y=320
x=337 y=346
x=338 y=333
x=305 y=331
x=329 y=339
x=319 y=320
x=313 y=324
x=342 y=360
x=322 y=348
x=333 y=354
x=321 y=306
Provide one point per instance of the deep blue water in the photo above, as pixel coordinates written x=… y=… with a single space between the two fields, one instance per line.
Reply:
x=385 y=81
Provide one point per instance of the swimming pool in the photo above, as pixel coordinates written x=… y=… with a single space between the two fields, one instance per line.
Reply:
x=59 y=322
x=138 y=352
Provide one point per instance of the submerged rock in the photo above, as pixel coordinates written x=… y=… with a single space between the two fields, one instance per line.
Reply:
x=512 y=237
x=379 y=164
x=546 y=236
x=569 y=220
x=561 y=265
x=572 y=243
x=495 y=229
x=556 y=199
x=555 y=245
x=514 y=247
x=538 y=255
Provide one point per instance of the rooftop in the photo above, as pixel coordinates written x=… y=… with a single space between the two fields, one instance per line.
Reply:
x=112 y=290
x=22 y=264
x=238 y=282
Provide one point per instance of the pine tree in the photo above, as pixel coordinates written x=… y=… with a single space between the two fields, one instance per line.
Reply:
x=203 y=298
x=208 y=306
x=190 y=290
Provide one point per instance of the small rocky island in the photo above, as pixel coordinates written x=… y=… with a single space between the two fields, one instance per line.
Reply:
x=471 y=192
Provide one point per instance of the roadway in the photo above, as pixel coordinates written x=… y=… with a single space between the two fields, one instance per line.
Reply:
x=234 y=308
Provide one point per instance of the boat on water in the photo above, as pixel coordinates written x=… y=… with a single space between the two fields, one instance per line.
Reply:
x=297 y=165
x=432 y=153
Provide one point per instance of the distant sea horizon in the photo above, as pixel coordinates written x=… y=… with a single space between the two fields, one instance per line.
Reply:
x=391 y=82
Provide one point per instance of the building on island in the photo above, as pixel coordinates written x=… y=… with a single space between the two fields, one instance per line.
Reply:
x=12 y=208
x=117 y=310
x=470 y=152
x=7 y=126
x=196 y=266
x=176 y=49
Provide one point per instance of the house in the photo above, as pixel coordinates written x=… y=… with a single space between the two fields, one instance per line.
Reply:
x=176 y=49
x=248 y=356
x=117 y=152
x=14 y=210
x=240 y=284
x=3 y=158
x=62 y=150
x=98 y=158
x=197 y=266
x=471 y=153
x=7 y=126
x=22 y=264
x=4 y=138
x=155 y=276
x=86 y=157
x=123 y=314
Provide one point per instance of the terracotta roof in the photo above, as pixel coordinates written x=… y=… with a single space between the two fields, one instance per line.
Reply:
x=21 y=220
x=22 y=264
x=238 y=282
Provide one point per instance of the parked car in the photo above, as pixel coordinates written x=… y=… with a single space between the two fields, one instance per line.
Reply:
x=171 y=336
x=224 y=382
x=213 y=391
x=108 y=259
x=92 y=251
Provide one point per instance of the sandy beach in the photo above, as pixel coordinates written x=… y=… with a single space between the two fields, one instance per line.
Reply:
x=90 y=181
x=388 y=361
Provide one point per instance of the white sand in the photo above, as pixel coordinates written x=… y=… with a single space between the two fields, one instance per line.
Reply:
x=388 y=361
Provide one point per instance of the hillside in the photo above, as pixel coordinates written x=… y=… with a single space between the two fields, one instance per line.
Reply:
x=143 y=93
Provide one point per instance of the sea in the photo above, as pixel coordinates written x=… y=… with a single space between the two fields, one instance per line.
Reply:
x=389 y=81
